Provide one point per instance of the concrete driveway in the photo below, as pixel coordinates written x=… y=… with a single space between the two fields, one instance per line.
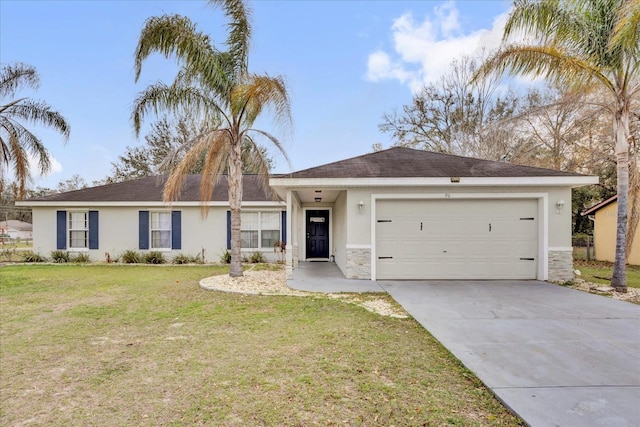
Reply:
x=555 y=356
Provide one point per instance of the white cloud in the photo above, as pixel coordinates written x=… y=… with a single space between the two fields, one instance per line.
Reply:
x=423 y=51
x=380 y=67
x=448 y=16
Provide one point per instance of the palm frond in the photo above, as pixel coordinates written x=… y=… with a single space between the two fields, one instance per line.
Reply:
x=239 y=15
x=13 y=76
x=216 y=157
x=173 y=186
x=19 y=161
x=160 y=97
x=258 y=92
x=22 y=142
x=176 y=35
x=546 y=61
x=8 y=129
x=41 y=113
x=540 y=20
x=626 y=32
x=262 y=168
x=274 y=141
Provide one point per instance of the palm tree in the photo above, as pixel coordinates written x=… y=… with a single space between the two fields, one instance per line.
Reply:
x=216 y=84
x=581 y=44
x=17 y=143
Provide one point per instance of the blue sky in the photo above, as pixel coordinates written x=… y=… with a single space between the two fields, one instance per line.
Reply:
x=346 y=63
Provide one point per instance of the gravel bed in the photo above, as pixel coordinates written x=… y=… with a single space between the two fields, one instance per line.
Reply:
x=266 y=282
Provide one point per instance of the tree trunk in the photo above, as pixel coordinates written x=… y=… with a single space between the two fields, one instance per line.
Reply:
x=235 y=203
x=634 y=203
x=621 y=130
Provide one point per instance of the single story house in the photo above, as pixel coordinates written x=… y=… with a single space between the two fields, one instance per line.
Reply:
x=394 y=214
x=16 y=230
x=605 y=216
x=131 y=215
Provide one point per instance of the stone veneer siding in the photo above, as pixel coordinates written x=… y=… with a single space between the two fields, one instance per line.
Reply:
x=358 y=264
x=560 y=266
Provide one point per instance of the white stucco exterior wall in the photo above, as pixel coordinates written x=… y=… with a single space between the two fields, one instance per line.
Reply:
x=118 y=230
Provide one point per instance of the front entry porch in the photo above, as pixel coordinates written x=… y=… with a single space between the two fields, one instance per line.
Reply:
x=326 y=277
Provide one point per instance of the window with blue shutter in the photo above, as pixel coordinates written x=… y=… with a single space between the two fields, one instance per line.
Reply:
x=176 y=230
x=143 y=230
x=61 y=230
x=228 y=229
x=284 y=227
x=93 y=229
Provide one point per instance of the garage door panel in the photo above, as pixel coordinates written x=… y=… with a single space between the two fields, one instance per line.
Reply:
x=457 y=239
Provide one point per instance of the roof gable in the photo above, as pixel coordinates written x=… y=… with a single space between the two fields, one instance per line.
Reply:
x=150 y=189
x=402 y=162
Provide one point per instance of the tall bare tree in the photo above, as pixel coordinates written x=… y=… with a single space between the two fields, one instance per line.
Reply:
x=218 y=85
x=455 y=115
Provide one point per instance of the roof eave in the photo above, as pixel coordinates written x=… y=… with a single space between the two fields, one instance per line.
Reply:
x=599 y=206
x=159 y=205
x=528 y=181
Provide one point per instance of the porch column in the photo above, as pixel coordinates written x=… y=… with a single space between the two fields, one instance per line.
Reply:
x=290 y=237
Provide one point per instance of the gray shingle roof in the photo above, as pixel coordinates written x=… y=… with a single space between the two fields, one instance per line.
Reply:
x=16 y=225
x=150 y=190
x=400 y=162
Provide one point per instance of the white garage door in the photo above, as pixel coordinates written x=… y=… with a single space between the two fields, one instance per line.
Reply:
x=457 y=239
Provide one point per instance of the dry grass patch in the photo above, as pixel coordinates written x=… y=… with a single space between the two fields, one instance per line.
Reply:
x=144 y=345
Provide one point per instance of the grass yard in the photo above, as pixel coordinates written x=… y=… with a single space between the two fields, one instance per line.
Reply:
x=96 y=345
x=600 y=272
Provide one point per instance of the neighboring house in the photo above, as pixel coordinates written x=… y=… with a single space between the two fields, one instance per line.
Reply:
x=411 y=214
x=130 y=215
x=605 y=216
x=394 y=214
x=16 y=230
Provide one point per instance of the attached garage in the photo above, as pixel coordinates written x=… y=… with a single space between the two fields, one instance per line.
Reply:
x=411 y=214
x=457 y=239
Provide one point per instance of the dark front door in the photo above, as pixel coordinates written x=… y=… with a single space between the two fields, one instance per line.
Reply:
x=318 y=234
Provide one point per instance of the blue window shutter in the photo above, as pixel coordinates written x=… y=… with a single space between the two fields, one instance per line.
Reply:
x=93 y=229
x=61 y=230
x=143 y=230
x=284 y=227
x=176 y=230
x=228 y=229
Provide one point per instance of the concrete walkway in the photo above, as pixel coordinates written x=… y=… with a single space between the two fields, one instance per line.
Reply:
x=327 y=277
x=555 y=356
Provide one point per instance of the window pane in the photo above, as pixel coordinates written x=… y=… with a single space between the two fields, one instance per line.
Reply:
x=160 y=221
x=249 y=239
x=270 y=237
x=271 y=220
x=249 y=220
x=160 y=239
x=78 y=239
x=77 y=220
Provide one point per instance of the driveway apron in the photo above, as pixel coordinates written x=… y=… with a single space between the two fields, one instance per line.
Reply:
x=555 y=356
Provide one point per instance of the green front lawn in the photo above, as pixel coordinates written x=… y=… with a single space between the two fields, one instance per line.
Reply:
x=144 y=345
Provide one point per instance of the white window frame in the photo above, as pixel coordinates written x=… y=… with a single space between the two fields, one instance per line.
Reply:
x=260 y=229
x=151 y=230
x=71 y=229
